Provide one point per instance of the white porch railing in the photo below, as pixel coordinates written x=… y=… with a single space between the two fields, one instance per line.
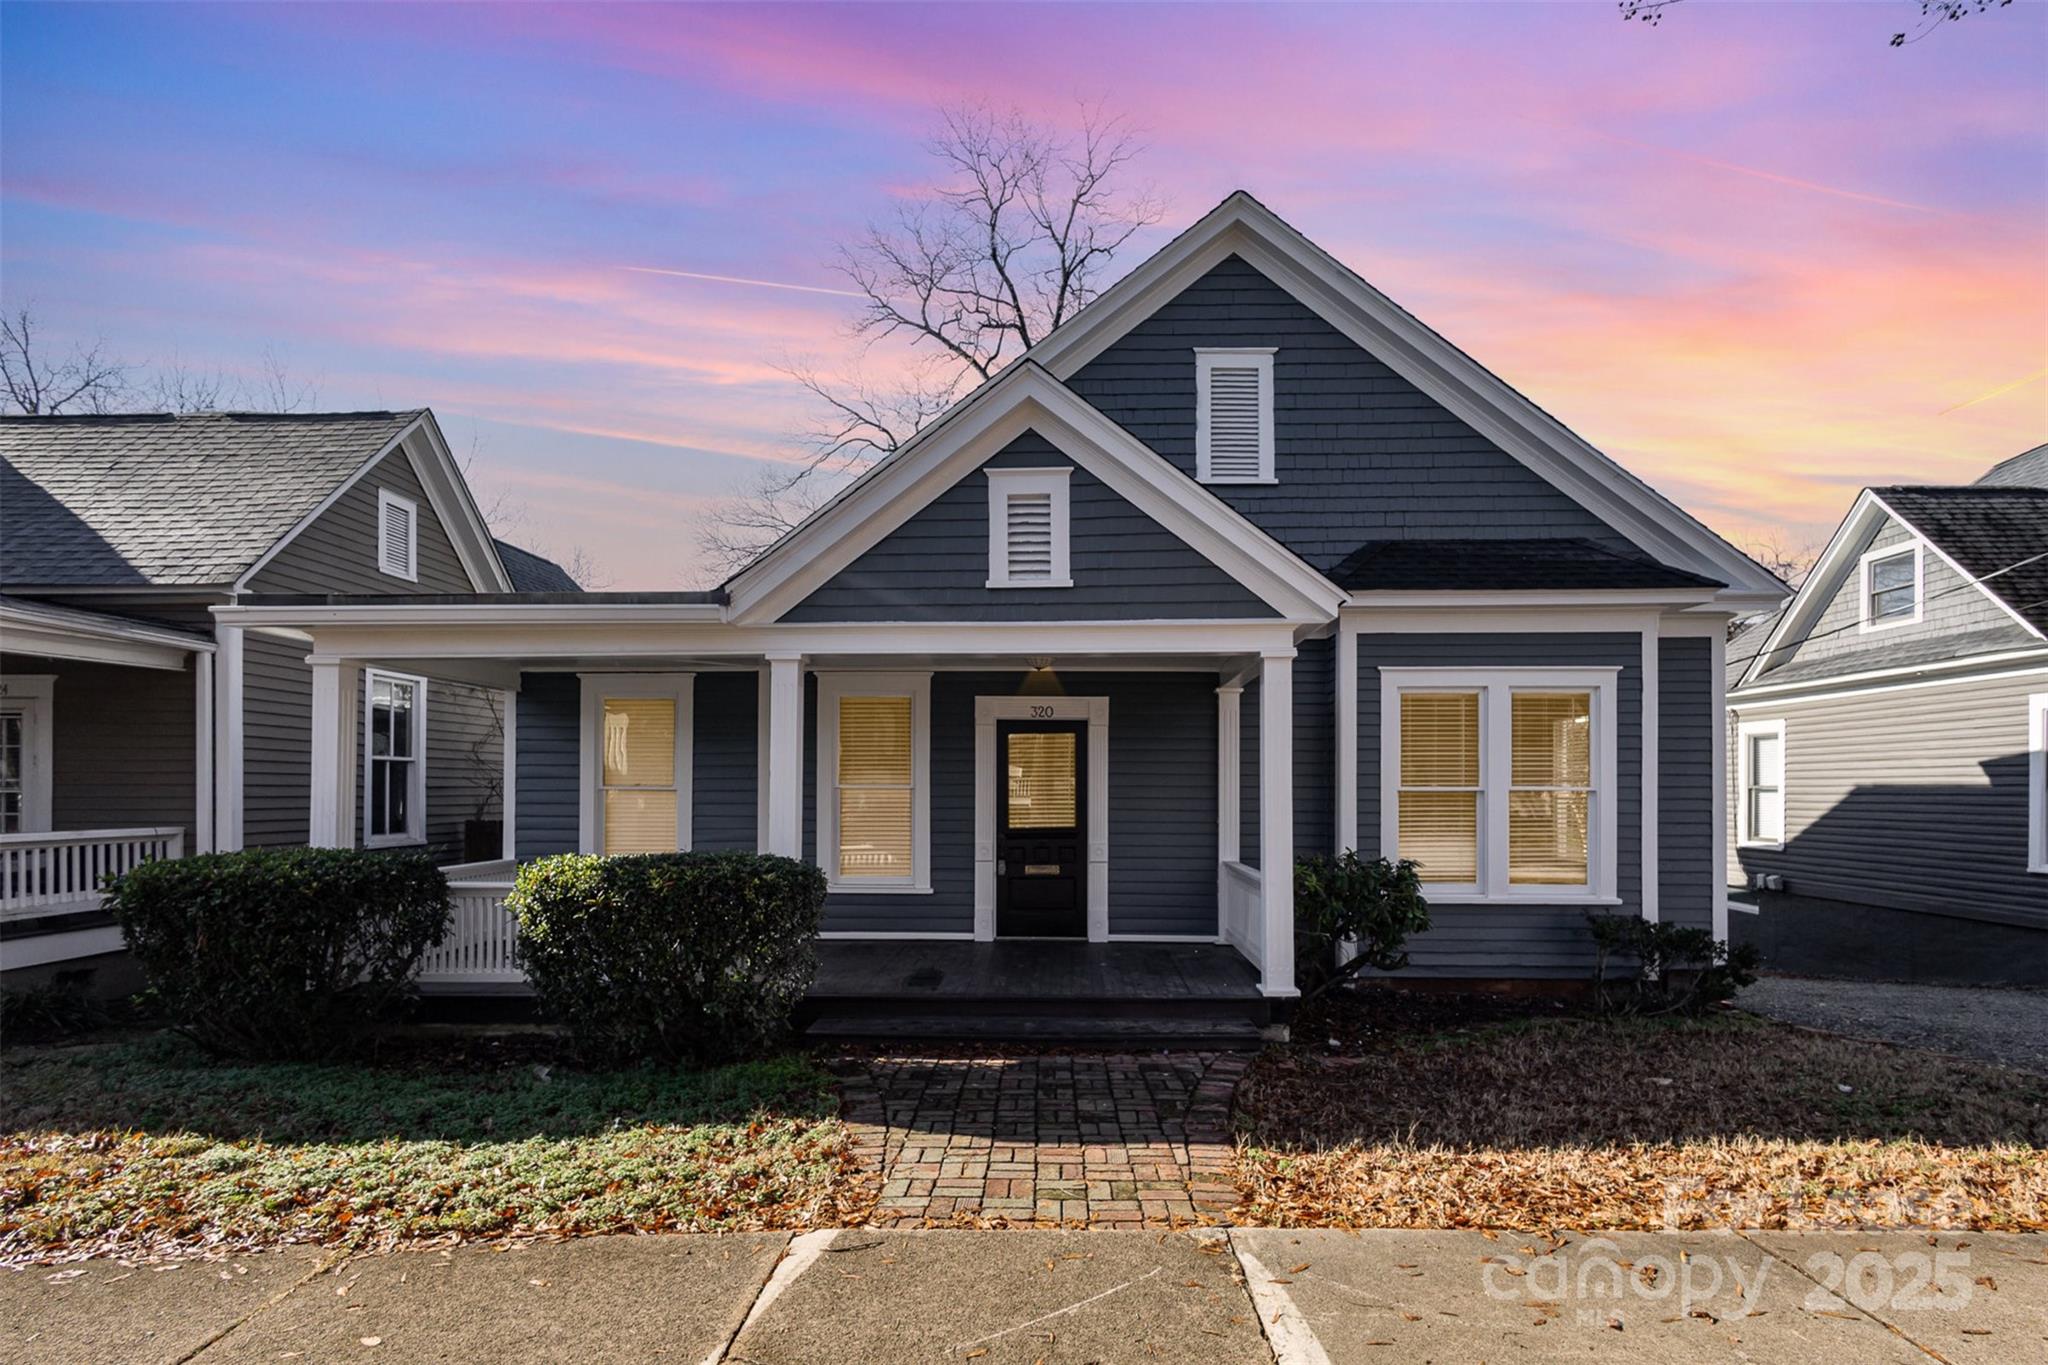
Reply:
x=64 y=872
x=1238 y=890
x=480 y=949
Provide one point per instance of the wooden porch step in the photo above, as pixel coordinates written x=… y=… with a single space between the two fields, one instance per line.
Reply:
x=1141 y=1031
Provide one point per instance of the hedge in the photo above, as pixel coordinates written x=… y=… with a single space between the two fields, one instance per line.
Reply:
x=281 y=953
x=692 y=957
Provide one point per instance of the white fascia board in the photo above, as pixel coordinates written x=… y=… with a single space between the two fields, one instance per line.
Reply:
x=456 y=507
x=1454 y=600
x=1244 y=227
x=62 y=634
x=1024 y=398
x=1822 y=581
x=1972 y=668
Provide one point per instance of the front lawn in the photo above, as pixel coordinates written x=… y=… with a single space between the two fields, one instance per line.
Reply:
x=151 y=1146
x=1392 y=1113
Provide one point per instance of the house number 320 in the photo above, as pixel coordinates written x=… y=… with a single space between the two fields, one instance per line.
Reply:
x=1042 y=712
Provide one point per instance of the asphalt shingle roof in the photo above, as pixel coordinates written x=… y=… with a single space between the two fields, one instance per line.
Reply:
x=2029 y=467
x=1558 y=562
x=183 y=500
x=1996 y=532
x=530 y=572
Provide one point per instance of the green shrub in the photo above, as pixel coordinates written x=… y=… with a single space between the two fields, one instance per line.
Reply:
x=1371 y=904
x=1679 y=970
x=696 y=957
x=62 y=1007
x=281 y=953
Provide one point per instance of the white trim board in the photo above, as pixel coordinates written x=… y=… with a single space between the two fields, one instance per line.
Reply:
x=1244 y=227
x=2037 y=783
x=988 y=711
x=1747 y=730
x=34 y=695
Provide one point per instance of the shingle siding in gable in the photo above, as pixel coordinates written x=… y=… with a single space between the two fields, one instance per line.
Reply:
x=934 y=567
x=1360 y=453
x=338 y=551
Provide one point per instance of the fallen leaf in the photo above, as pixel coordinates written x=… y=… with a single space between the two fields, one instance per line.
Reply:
x=1296 y=1270
x=371 y=1341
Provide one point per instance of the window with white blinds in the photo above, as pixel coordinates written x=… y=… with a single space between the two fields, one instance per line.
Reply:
x=1762 y=779
x=1499 y=784
x=1028 y=528
x=1234 y=415
x=636 y=762
x=397 y=536
x=873 y=798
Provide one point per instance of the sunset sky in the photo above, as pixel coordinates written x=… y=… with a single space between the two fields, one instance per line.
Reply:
x=1753 y=253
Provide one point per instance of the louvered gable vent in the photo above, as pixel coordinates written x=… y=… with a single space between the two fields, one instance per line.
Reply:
x=1029 y=551
x=1234 y=419
x=1028 y=528
x=397 y=535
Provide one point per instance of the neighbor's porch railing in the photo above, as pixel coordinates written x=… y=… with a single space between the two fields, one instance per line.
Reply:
x=480 y=949
x=1238 y=890
x=65 y=872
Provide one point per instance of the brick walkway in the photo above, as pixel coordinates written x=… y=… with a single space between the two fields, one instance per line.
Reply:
x=1103 y=1141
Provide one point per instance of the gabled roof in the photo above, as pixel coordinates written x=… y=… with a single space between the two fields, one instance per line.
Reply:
x=2029 y=467
x=200 y=499
x=1244 y=227
x=1025 y=398
x=1996 y=534
x=1561 y=562
x=530 y=572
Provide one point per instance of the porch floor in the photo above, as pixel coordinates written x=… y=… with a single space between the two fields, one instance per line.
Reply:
x=1014 y=970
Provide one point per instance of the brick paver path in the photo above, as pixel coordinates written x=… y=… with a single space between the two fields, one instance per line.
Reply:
x=1104 y=1141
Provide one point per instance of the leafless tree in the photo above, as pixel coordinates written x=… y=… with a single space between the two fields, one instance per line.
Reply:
x=510 y=519
x=37 y=382
x=178 y=387
x=1933 y=14
x=1020 y=233
x=1791 y=562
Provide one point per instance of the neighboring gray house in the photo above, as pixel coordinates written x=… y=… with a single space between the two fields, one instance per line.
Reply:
x=132 y=725
x=1242 y=561
x=1886 y=733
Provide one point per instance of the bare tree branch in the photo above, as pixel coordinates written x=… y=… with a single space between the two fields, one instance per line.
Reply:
x=85 y=380
x=1933 y=14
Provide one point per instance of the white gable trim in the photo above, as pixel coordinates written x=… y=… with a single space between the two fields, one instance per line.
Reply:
x=1842 y=557
x=1242 y=226
x=426 y=450
x=1025 y=398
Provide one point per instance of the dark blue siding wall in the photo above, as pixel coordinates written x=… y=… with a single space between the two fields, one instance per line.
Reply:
x=1248 y=775
x=934 y=567
x=1360 y=453
x=1687 y=725
x=550 y=716
x=726 y=765
x=1315 y=745
x=1518 y=940
x=1162 y=806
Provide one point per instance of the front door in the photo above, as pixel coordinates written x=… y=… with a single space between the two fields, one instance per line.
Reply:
x=1041 y=830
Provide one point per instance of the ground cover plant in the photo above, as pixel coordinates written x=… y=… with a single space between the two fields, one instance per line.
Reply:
x=150 y=1146
x=1403 y=1111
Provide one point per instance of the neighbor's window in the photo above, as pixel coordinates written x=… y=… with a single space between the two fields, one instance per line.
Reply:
x=873 y=810
x=398 y=535
x=395 y=794
x=638 y=777
x=1891 y=587
x=1764 y=782
x=1499 y=784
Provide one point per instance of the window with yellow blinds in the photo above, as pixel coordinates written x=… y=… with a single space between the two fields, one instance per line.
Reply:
x=1440 y=784
x=875 y=780
x=638 y=777
x=1550 y=788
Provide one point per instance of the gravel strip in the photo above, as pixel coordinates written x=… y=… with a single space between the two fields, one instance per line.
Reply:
x=1998 y=1025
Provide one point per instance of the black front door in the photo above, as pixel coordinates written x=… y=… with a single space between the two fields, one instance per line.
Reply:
x=1042 y=830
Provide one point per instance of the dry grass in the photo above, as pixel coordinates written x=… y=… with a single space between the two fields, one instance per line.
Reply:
x=1579 y=1123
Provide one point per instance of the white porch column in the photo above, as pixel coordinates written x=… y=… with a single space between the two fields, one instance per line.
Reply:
x=202 y=753
x=1346 y=822
x=1229 y=796
x=1276 y=820
x=786 y=755
x=227 y=738
x=337 y=691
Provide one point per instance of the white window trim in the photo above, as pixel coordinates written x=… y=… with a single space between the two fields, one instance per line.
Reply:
x=387 y=498
x=597 y=687
x=831 y=688
x=416 y=804
x=1001 y=484
x=32 y=694
x=1207 y=359
x=1864 y=623
x=1744 y=732
x=1497 y=686
x=2037 y=783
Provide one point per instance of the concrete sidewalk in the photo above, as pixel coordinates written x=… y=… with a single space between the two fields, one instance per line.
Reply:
x=888 y=1295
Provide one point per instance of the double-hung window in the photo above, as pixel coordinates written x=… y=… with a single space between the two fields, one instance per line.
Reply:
x=1500 y=784
x=1891 y=586
x=395 y=731
x=636 y=736
x=874 y=788
x=1761 y=777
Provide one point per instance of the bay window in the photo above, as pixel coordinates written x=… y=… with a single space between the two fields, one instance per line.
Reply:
x=1500 y=785
x=395 y=744
x=874 y=765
